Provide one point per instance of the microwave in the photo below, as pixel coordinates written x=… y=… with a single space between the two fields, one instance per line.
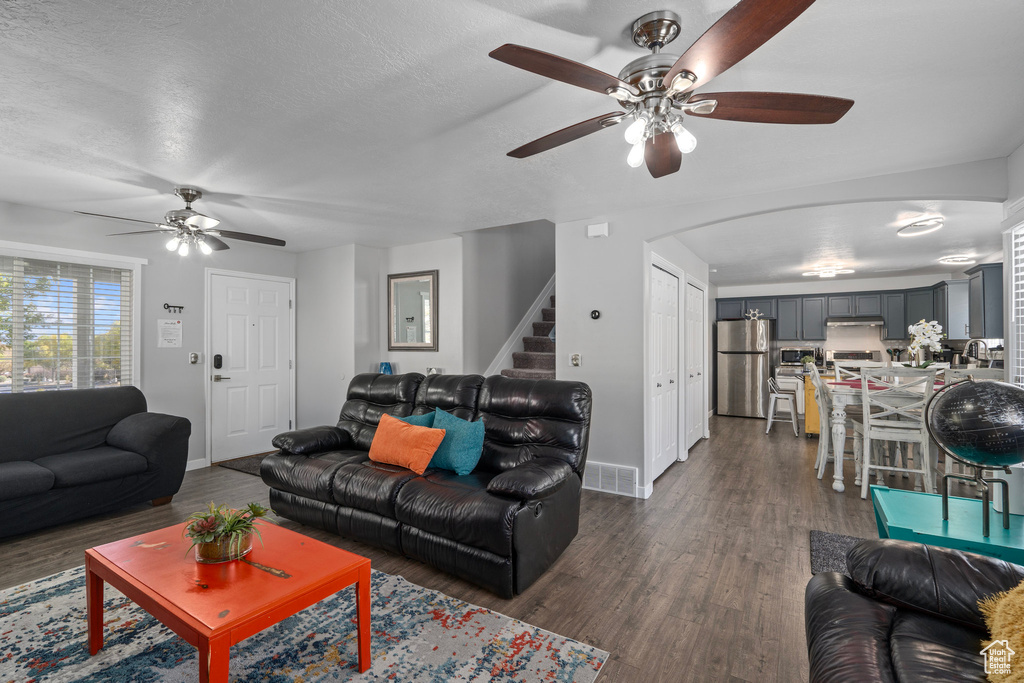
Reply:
x=792 y=356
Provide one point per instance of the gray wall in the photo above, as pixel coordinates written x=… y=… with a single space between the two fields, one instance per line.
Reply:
x=170 y=383
x=503 y=270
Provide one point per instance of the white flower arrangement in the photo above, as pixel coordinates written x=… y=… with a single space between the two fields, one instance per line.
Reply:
x=924 y=335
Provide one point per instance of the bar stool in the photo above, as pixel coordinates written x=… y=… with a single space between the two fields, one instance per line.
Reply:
x=775 y=395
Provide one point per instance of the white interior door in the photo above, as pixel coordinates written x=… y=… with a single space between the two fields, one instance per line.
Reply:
x=664 y=368
x=250 y=397
x=693 y=352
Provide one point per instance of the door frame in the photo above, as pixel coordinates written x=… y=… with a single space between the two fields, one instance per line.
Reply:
x=705 y=382
x=207 y=358
x=646 y=488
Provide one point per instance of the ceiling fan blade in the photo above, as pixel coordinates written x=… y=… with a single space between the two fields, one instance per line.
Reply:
x=662 y=154
x=567 y=134
x=214 y=243
x=249 y=237
x=117 y=218
x=202 y=222
x=740 y=31
x=560 y=69
x=774 y=107
x=139 y=232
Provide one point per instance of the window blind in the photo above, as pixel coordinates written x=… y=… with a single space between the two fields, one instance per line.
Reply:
x=64 y=325
x=1017 y=307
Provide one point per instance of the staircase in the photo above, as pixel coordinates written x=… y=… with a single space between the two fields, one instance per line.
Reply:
x=537 y=359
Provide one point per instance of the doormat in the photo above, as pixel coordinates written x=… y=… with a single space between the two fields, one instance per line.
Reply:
x=417 y=634
x=249 y=465
x=828 y=551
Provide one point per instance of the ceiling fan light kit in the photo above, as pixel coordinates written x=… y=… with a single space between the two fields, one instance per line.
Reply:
x=191 y=228
x=657 y=89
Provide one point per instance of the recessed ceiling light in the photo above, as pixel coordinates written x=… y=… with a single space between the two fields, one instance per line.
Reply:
x=921 y=227
x=956 y=260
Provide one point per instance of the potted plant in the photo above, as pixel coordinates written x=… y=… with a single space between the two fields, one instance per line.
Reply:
x=923 y=335
x=808 y=362
x=221 y=534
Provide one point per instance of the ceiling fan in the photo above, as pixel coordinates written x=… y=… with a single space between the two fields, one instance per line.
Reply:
x=657 y=89
x=191 y=228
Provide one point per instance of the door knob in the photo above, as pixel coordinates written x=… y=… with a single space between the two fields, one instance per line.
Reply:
x=698 y=374
x=217 y=378
x=659 y=384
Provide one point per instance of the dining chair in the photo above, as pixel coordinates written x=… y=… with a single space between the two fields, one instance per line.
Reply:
x=850 y=370
x=894 y=401
x=823 y=398
x=775 y=396
x=955 y=375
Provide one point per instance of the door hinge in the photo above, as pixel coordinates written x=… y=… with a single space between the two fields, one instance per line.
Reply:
x=289 y=424
x=289 y=304
x=289 y=365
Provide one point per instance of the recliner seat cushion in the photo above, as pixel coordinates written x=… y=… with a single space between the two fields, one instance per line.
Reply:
x=459 y=508
x=23 y=478
x=96 y=464
x=371 y=486
x=927 y=648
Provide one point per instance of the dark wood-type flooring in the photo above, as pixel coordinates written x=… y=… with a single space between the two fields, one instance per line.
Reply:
x=703 y=581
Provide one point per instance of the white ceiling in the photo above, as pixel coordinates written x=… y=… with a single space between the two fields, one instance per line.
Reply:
x=384 y=122
x=781 y=246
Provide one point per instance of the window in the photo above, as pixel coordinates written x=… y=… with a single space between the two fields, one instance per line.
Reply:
x=1017 y=306
x=64 y=325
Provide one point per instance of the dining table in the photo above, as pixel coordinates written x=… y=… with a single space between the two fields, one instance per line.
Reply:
x=845 y=393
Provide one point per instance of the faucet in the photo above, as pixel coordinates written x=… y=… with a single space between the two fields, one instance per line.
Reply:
x=977 y=349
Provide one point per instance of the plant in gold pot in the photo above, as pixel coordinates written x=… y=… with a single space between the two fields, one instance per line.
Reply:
x=221 y=534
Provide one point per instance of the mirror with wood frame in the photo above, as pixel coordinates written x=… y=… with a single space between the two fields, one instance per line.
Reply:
x=412 y=311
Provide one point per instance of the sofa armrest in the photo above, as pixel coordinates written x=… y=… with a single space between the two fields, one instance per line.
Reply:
x=154 y=436
x=943 y=582
x=533 y=479
x=312 y=440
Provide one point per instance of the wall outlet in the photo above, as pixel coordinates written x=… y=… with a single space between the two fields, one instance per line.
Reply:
x=576 y=360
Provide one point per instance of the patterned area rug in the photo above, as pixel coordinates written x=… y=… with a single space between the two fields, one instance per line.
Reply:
x=417 y=635
x=249 y=465
x=828 y=551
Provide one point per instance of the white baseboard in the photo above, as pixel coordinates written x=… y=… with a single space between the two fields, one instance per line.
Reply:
x=196 y=465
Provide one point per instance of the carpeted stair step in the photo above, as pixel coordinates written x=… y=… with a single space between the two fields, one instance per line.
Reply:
x=528 y=360
x=522 y=373
x=541 y=344
x=548 y=314
x=542 y=329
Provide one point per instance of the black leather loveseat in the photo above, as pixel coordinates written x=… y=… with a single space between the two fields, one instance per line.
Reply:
x=907 y=612
x=65 y=455
x=500 y=526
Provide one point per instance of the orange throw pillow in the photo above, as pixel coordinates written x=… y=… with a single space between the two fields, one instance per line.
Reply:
x=400 y=443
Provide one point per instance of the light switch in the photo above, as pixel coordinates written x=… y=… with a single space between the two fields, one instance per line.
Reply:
x=576 y=360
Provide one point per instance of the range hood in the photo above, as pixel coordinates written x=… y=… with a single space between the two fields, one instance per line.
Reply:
x=861 y=321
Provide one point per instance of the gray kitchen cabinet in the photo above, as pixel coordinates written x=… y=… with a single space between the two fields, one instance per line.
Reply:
x=840 y=305
x=985 y=301
x=763 y=305
x=867 y=304
x=812 y=318
x=895 y=315
x=950 y=302
x=787 y=324
x=920 y=305
x=728 y=309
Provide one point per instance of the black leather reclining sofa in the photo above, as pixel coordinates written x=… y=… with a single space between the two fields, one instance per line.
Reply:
x=500 y=526
x=65 y=455
x=907 y=612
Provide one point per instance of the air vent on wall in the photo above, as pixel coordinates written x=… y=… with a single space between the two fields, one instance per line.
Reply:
x=610 y=478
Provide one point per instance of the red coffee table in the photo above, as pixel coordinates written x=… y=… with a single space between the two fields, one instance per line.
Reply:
x=214 y=606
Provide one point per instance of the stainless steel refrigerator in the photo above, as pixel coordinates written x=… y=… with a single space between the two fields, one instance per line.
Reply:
x=744 y=358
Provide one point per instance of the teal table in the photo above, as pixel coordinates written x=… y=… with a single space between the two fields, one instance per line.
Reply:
x=917 y=516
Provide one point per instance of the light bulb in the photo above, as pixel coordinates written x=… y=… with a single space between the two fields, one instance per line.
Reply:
x=172 y=244
x=684 y=138
x=636 y=154
x=635 y=131
x=183 y=249
x=205 y=248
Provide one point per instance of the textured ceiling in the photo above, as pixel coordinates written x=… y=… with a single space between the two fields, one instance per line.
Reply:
x=781 y=246
x=384 y=122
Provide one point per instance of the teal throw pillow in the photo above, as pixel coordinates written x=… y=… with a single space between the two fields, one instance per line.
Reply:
x=463 y=443
x=425 y=420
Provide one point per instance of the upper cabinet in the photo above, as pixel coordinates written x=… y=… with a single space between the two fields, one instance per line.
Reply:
x=728 y=309
x=812 y=318
x=763 y=305
x=787 y=324
x=920 y=305
x=985 y=306
x=840 y=305
x=949 y=303
x=867 y=304
x=894 y=313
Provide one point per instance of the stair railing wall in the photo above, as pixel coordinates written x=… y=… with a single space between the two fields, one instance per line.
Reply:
x=503 y=360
